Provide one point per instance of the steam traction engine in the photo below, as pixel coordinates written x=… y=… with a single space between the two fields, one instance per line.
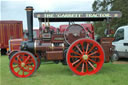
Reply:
x=74 y=47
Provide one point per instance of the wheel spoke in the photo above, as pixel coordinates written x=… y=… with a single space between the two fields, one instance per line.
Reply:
x=27 y=59
x=87 y=47
x=19 y=58
x=78 y=64
x=27 y=68
x=15 y=61
x=23 y=58
x=79 y=49
x=28 y=63
x=91 y=65
x=16 y=66
x=94 y=56
x=19 y=70
x=92 y=61
x=75 y=56
x=82 y=46
x=82 y=70
x=75 y=61
x=30 y=66
x=86 y=66
x=23 y=72
x=76 y=53
x=93 y=53
x=91 y=48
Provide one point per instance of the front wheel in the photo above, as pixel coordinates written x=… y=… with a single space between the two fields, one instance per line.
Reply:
x=85 y=57
x=23 y=64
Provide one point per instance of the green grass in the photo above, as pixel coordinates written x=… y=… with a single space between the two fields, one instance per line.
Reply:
x=57 y=74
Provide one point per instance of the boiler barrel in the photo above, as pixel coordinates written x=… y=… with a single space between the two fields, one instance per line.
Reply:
x=46 y=47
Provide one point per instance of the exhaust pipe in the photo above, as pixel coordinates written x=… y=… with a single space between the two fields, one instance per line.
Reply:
x=29 y=45
x=29 y=11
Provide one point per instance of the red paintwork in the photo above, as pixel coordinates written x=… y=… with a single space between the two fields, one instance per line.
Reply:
x=15 y=44
x=51 y=28
x=63 y=28
x=18 y=69
x=10 y=30
x=91 y=28
x=81 y=66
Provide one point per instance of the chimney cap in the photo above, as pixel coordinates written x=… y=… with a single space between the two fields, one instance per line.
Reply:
x=29 y=8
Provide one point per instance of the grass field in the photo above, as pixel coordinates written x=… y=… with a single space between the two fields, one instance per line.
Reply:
x=57 y=74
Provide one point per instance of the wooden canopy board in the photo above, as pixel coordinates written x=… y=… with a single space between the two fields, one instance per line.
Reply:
x=76 y=16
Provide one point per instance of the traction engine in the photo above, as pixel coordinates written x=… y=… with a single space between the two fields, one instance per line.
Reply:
x=74 y=47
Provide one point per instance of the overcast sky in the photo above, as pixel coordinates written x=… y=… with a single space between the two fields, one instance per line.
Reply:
x=14 y=9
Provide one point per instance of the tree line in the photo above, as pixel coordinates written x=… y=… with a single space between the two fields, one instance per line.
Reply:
x=111 y=5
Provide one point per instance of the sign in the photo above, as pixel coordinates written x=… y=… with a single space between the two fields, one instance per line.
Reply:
x=78 y=14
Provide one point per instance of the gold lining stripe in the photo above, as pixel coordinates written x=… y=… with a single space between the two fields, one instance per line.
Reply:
x=12 y=45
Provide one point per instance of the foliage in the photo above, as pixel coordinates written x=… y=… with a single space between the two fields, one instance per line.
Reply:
x=111 y=5
x=120 y=5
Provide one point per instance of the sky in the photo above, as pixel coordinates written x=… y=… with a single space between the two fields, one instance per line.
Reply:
x=14 y=9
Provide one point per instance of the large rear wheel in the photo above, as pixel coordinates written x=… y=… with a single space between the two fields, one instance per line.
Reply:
x=23 y=64
x=85 y=57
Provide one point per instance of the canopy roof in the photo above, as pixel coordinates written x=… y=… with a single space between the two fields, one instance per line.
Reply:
x=76 y=16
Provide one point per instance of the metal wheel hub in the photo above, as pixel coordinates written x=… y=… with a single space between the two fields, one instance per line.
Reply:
x=85 y=57
x=22 y=64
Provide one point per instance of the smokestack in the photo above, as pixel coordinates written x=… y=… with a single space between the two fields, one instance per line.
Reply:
x=29 y=10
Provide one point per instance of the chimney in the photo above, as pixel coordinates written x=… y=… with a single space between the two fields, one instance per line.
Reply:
x=29 y=11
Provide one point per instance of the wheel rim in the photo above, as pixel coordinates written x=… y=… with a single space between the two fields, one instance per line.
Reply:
x=85 y=57
x=39 y=61
x=23 y=64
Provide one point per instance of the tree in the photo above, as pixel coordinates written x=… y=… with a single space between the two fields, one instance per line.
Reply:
x=120 y=5
x=101 y=5
x=111 y=5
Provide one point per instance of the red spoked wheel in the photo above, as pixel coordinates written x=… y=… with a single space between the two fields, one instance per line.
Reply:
x=23 y=64
x=85 y=57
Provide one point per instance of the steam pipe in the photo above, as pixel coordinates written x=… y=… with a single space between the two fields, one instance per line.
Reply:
x=29 y=11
